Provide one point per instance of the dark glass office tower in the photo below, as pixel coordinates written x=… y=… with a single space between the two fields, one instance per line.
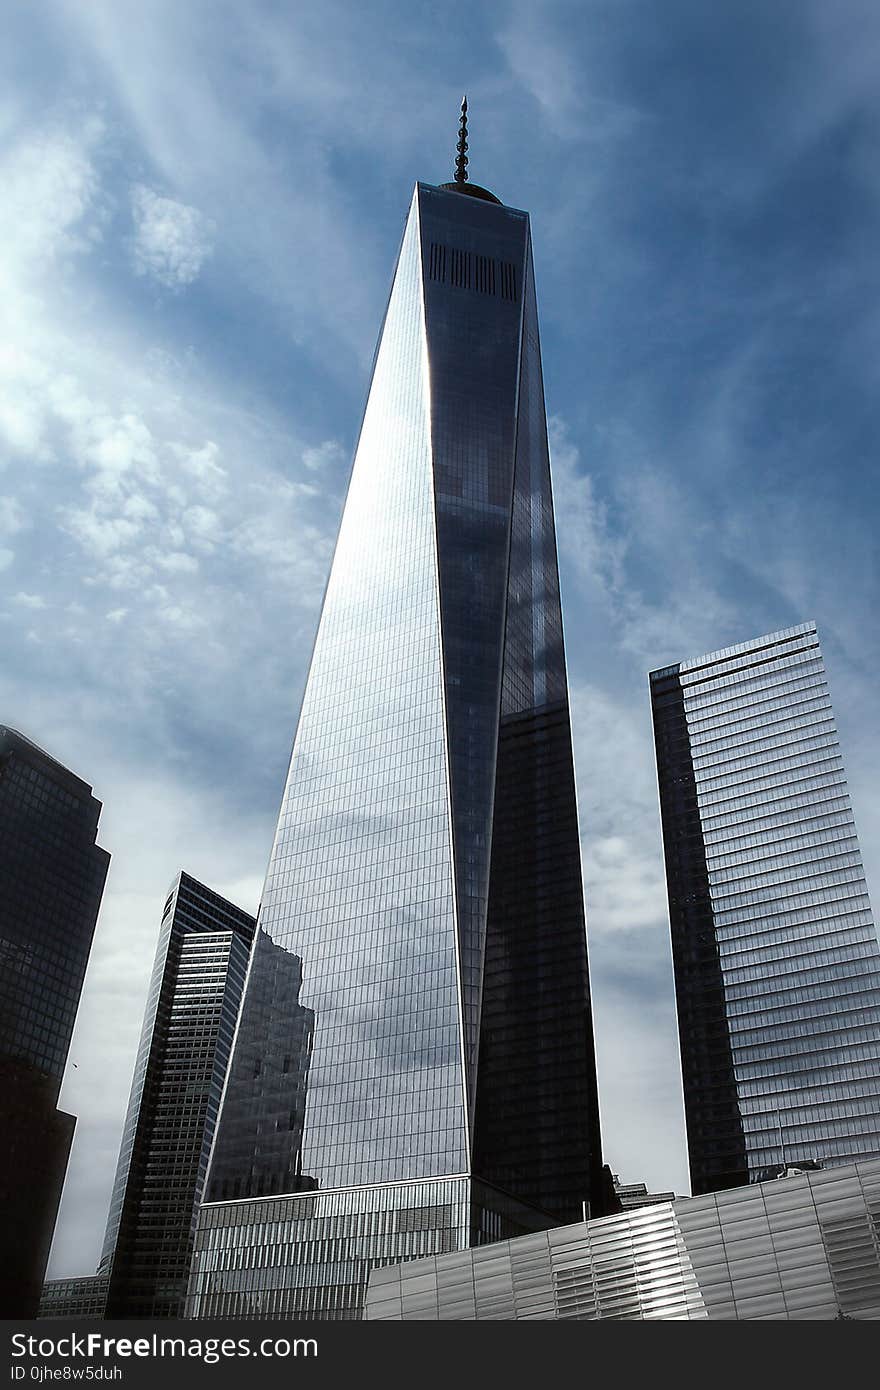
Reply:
x=777 y=967
x=423 y=899
x=189 y=1022
x=52 y=875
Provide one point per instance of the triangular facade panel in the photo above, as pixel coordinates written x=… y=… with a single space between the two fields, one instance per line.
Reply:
x=474 y=261
x=359 y=893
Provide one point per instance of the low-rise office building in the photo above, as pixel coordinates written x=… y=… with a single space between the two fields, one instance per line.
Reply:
x=83 y=1296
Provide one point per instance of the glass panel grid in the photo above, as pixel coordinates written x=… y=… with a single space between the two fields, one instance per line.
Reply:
x=765 y=879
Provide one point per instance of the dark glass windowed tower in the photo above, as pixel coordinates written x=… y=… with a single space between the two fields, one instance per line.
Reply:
x=414 y=1066
x=52 y=874
x=192 y=1007
x=777 y=967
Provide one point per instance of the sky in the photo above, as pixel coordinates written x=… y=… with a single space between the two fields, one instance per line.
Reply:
x=201 y=208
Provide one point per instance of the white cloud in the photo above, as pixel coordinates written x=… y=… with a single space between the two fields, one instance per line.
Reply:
x=29 y=600
x=594 y=548
x=171 y=241
x=202 y=464
x=12 y=518
x=6 y=558
x=210 y=150
x=140 y=508
x=114 y=448
x=177 y=562
x=328 y=454
x=203 y=526
x=623 y=869
x=608 y=547
x=20 y=428
x=183 y=619
x=99 y=536
x=51 y=205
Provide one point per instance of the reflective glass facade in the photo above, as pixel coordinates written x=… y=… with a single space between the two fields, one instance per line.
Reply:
x=800 y=1248
x=777 y=965
x=52 y=874
x=192 y=1006
x=310 y=1255
x=360 y=884
x=418 y=1000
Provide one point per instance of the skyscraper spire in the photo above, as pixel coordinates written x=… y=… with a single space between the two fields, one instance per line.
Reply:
x=461 y=159
x=460 y=184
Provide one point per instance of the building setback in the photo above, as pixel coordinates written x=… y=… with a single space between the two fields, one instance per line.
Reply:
x=631 y=1195
x=189 y=1022
x=777 y=967
x=422 y=926
x=804 y=1247
x=52 y=875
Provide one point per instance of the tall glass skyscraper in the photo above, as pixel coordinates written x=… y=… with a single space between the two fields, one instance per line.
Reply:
x=777 y=967
x=192 y=1007
x=414 y=1065
x=52 y=874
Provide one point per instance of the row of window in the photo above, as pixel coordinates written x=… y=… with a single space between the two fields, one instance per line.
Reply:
x=847 y=964
x=814 y=1005
x=715 y=792
x=789 y=814
x=773 y=641
x=764 y=850
x=776 y=888
x=759 y=675
x=748 y=751
x=848 y=889
x=823 y=1051
x=772 y=720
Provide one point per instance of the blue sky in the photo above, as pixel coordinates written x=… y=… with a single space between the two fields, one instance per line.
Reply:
x=202 y=205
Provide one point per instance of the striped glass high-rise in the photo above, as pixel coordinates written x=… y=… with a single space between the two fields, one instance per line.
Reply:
x=777 y=967
x=192 y=1006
